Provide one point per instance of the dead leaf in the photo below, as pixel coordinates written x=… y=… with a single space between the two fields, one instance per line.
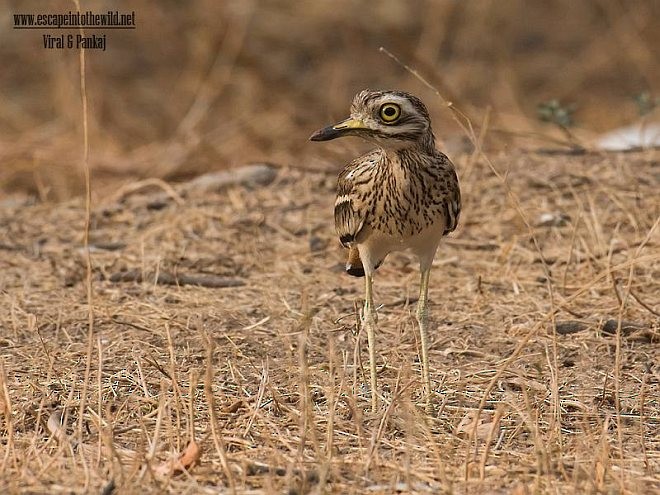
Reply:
x=186 y=461
x=485 y=423
x=55 y=425
x=518 y=383
x=521 y=489
x=234 y=406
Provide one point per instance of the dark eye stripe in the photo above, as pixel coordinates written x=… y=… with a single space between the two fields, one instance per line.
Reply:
x=407 y=119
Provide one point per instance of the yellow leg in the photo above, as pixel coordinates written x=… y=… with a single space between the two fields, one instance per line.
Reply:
x=369 y=319
x=422 y=319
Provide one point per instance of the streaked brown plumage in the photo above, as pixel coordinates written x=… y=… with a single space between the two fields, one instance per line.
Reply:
x=402 y=195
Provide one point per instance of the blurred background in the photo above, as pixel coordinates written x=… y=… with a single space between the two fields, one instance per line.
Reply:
x=210 y=84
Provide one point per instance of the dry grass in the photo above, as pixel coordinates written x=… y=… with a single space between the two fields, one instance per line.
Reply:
x=280 y=361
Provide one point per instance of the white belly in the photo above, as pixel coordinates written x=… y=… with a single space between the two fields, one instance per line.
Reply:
x=375 y=245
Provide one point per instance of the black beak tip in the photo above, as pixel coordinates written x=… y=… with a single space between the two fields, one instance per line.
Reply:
x=324 y=134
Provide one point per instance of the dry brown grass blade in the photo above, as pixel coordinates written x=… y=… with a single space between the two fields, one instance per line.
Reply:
x=7 y=415
x=493 y=433
x=88 y=255
x=214 y=427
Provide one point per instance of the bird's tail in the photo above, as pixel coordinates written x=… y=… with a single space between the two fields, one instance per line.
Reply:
x=354 y=263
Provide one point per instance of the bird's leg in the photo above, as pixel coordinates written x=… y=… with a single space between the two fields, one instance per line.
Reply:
x=422 y=319
x=369 y=319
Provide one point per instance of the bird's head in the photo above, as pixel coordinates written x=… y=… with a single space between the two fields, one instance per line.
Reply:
x=391 y=119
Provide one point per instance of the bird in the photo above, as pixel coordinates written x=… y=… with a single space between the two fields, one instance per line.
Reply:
x=402 y=195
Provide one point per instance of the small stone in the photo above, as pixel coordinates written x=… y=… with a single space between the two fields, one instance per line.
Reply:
x=569 y=327
x=317 y=244
x=157 y=204
x=554 y=219
x=627 y=327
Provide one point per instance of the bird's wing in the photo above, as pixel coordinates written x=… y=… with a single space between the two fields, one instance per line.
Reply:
x=452 y=204
x=349 y=218
x=350 y=209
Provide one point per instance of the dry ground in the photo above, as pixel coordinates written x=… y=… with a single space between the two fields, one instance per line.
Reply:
x=278 y=354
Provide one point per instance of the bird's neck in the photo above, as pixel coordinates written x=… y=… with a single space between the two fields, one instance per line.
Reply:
x=425 y=145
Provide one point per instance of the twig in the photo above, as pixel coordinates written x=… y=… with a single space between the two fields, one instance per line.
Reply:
x=167 y=278
x=134 y=187
x=643 y=304
x=7 y=413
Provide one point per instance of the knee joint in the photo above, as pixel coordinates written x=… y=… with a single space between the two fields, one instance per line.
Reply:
x=421 y=314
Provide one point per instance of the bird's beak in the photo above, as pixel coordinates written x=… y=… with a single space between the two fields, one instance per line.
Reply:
x=338 y=130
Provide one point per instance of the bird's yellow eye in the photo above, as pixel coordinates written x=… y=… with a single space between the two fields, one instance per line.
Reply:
x=389 y=112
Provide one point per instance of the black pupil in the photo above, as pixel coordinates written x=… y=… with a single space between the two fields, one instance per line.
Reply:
x=389 y=111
